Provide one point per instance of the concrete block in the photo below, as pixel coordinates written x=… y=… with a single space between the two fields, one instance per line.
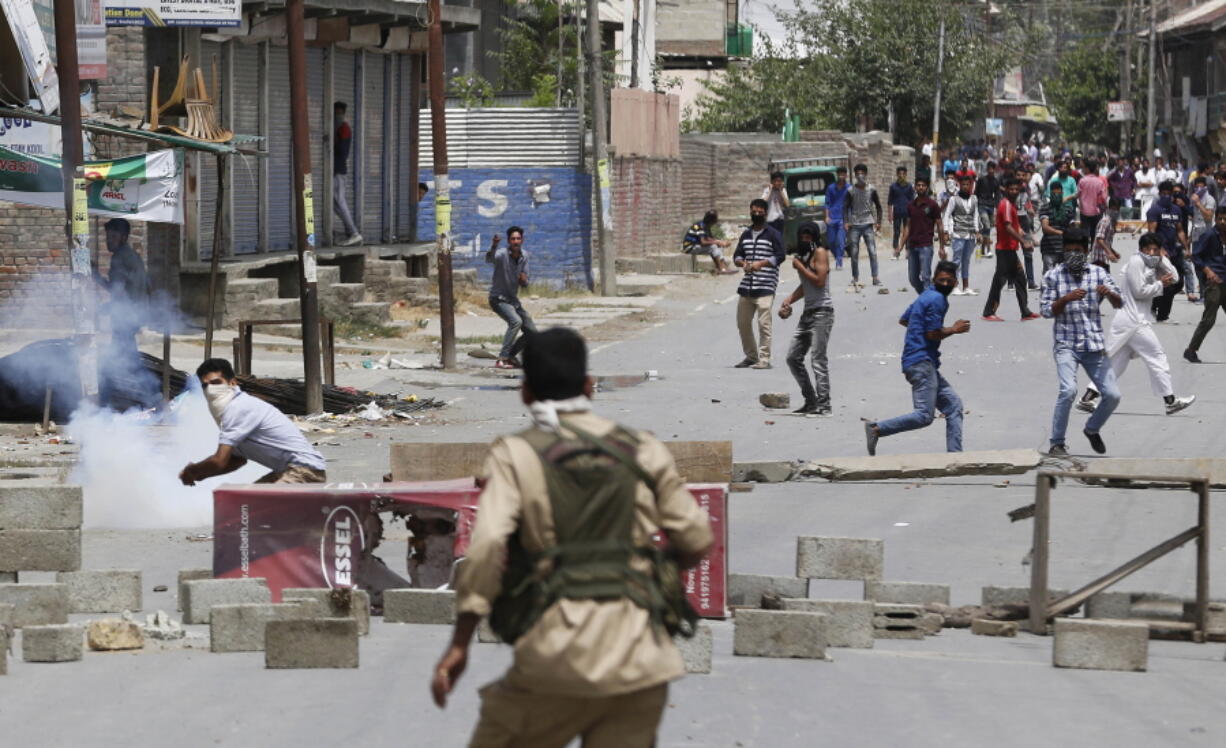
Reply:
x=839 y=558
x=63 y=642
x=40 y=507
x=747 y=589
x=906 y=593
x=898 y=621
x=1109 y=605
x=419 y=606
x=849 y=623
x=240 y=628
x=763 y=471
x=8 y=577
x=188 y=575
x=1014 y=595
x=7 y=612
x=1215 y=619
x=40 y=550
x=996 y=462
x=339 y=603
x=36 y=604
x=1100 y=645
x=775 y=400
x=200 y=595
x=108 y=591
x=113 y=634
x=4 y=651
x=988 y=627
x=779 y=633
x=696 y=651
x=311 y=643
x=311 y=608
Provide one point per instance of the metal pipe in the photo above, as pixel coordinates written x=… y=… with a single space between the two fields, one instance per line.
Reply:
x=600 y=174
x=442 y=187
x=215 y=260
x=1038 y=554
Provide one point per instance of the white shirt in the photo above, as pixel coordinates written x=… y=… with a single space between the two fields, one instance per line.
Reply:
x=927 y=150
x=774 y=206
x=1147 y=175
x=1035 y=187
x=1046 y=153
x=261 y=433
x=1139 y=287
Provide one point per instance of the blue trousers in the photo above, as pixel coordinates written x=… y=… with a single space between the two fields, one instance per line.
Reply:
x=1098 y=367
x=868 y=232
x=836 y=237
x=930 y=392
x=517 y=319
x=919 y=267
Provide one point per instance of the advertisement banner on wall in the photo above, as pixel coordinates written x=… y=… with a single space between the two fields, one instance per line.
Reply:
x=91 y=35
x=142 y=188
x=35 y=54
x=211 y=13
x=1120 y=111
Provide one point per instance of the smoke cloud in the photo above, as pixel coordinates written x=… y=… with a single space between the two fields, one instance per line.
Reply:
x=130 y=462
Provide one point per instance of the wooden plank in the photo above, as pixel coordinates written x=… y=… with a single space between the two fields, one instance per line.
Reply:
x=698 y=462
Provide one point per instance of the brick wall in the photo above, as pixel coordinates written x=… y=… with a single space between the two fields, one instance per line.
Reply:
x=648 y=215
x=34 y=283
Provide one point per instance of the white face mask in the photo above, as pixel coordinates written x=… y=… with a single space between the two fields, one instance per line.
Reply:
x=218 y=397
x=1151 y=261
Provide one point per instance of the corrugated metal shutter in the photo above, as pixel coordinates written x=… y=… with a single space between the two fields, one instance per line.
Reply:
x=374 y=105
x=280 y=141
x=207 y=163
x=404 y=189
x=343 y=76
x=245 y=170
x=315 y=115
x=479 y=138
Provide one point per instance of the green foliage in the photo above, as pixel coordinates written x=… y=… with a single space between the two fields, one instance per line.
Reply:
x=473 y=90
x=845 y=61
x=530 y=37
x=544 y=88
x=1086 y=79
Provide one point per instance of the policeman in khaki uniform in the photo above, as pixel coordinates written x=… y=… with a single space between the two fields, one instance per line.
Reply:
x=591 y=668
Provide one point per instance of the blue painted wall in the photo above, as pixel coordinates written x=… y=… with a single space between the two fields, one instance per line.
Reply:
x=485 y=202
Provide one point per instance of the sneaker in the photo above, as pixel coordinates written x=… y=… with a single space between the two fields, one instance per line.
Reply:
x=1190 y=356
x=957 y=291
x=353 y=240
x=871 y=437
x=823 y=413
x=745 y=364
x=992 y=318
x=1029 y=317
x=1057 y=450
x=971 y=292
x=1032 y=287
x=806 y=409
x=1088 y=406
x=502 y=363
x=1096 y=442
x=729 y=271
x=1179 y=404
x=876 y=281
x=761 y=365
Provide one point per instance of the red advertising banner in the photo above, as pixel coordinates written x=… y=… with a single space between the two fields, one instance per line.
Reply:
x=312 y=535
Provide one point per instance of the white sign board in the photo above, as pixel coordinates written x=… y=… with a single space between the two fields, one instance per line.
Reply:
x=1120 y=111
x=210 y=13
x=994 y=126
x=35 y=55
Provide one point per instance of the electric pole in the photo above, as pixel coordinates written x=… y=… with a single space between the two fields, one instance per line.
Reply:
x=442 y=186
x=1150 y=114
x=1126 y=75
x=936 y=104
x=595 y=64
x=304 y=206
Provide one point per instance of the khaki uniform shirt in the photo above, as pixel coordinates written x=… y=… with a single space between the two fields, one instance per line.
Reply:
x=582 y=648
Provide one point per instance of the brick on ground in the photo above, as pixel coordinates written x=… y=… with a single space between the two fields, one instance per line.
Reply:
x=63 y=642
x=342 y=603
x=1100 y=645
x=840 y=558
x=102 y=591
x=988 y=627
x=747 y=589
x=419 y=606
x=36 y=604
x=40 y=507
x=897 y=621
x=779 y=633
x=906 y=593
x=311 y=643
x=240 y=627
x=849 y=623
x=189 y=575
x=696 y=651
x=40 y=550
x=200 y=595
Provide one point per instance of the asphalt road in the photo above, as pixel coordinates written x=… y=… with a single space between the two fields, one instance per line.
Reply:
x=953 y=689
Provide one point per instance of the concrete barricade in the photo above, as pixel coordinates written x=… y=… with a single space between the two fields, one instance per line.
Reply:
x=849 y=623
x=342 y=603
x=698 y=649
x=1100 y=645
x=108 y=591
x=779 y=633
x=906 y=593
x=311 y=643
x=747 y=589
x=36 y=604
x=63 y=642
x=419 y=606
x=200 y=595
x=840 y=558
x=189 y=575
x=40 y=550
x=240 y=628
x=898 y=621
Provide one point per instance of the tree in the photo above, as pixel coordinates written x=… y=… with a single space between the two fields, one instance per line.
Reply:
x=1086 y=79
x=530 y=38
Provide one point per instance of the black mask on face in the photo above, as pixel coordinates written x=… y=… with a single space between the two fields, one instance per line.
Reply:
x=758 y=219
x=943 y=290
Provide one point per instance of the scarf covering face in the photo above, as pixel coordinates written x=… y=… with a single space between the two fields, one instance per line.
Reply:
x=545 y=412
x=1151 y=261
x=218 y=397
x=1075 y=262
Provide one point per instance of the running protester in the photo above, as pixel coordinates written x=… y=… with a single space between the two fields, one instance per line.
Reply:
x=812 y=263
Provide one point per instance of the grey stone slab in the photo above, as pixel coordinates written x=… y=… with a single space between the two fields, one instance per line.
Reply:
x=881 y=467
x=343 y=603
x=240 y=628
x=1177 y=467
x=849 y=623
x=200 y=595
x=987 y=627
x=779 y=633
x=1015 y=595
x=40 y=550
x=102 y=591
x=311 y=643
x=1109 y=605
x=763 y=471
x=697 y=650
x=839 y=558
x=908 y=593
x=8 y=577
x=419 y=606
x=63 y=642
x=775 y=400
x=4 y=651
x=1100 y=645
x=892 y=621
x=40 y=507
x=7 y=612
x=747 y=589
x=36 y=604
x=188 y=575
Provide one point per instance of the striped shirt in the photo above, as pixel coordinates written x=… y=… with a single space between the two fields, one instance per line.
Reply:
x=1080 y=324
x=755 y=246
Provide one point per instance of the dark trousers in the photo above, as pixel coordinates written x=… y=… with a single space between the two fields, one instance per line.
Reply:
x=1162 y=304
x=1213 y=302
x=1008 y=269
x=1029 y=263
x=777 y=225
x=899 y=222
x=1089 y=224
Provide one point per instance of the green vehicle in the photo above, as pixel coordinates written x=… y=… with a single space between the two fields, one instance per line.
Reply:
x=805 y=180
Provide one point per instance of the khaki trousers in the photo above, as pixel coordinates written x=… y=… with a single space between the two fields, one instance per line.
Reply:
x=296 y=474
x=748 y=307
x=511 y=718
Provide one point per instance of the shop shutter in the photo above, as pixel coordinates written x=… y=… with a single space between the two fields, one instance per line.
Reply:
x=343 y=77
x=315 y=115
x=404 y=188
x=245 y=170
x=206 y=163
x=280 y=142
x=373 y=144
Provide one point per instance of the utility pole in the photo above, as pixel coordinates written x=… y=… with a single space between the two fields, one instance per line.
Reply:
x=580 y=83
x=442 y=186
x=600 y=154
x=76 y=210
x=1126 y=75
x=1150 y=114
x=936 y=104
x=634 y=46
x=991 y=107
x=304 y=206
x=558 y=86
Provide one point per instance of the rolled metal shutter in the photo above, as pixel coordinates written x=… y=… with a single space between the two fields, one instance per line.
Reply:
x=315 y=116
x=343 y=76
x=280 y=147
x=245 y=170
x=374 y=141
x=206 y=163
x=404 y=188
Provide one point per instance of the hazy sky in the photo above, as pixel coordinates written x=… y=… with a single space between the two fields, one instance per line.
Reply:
x=760 y=13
